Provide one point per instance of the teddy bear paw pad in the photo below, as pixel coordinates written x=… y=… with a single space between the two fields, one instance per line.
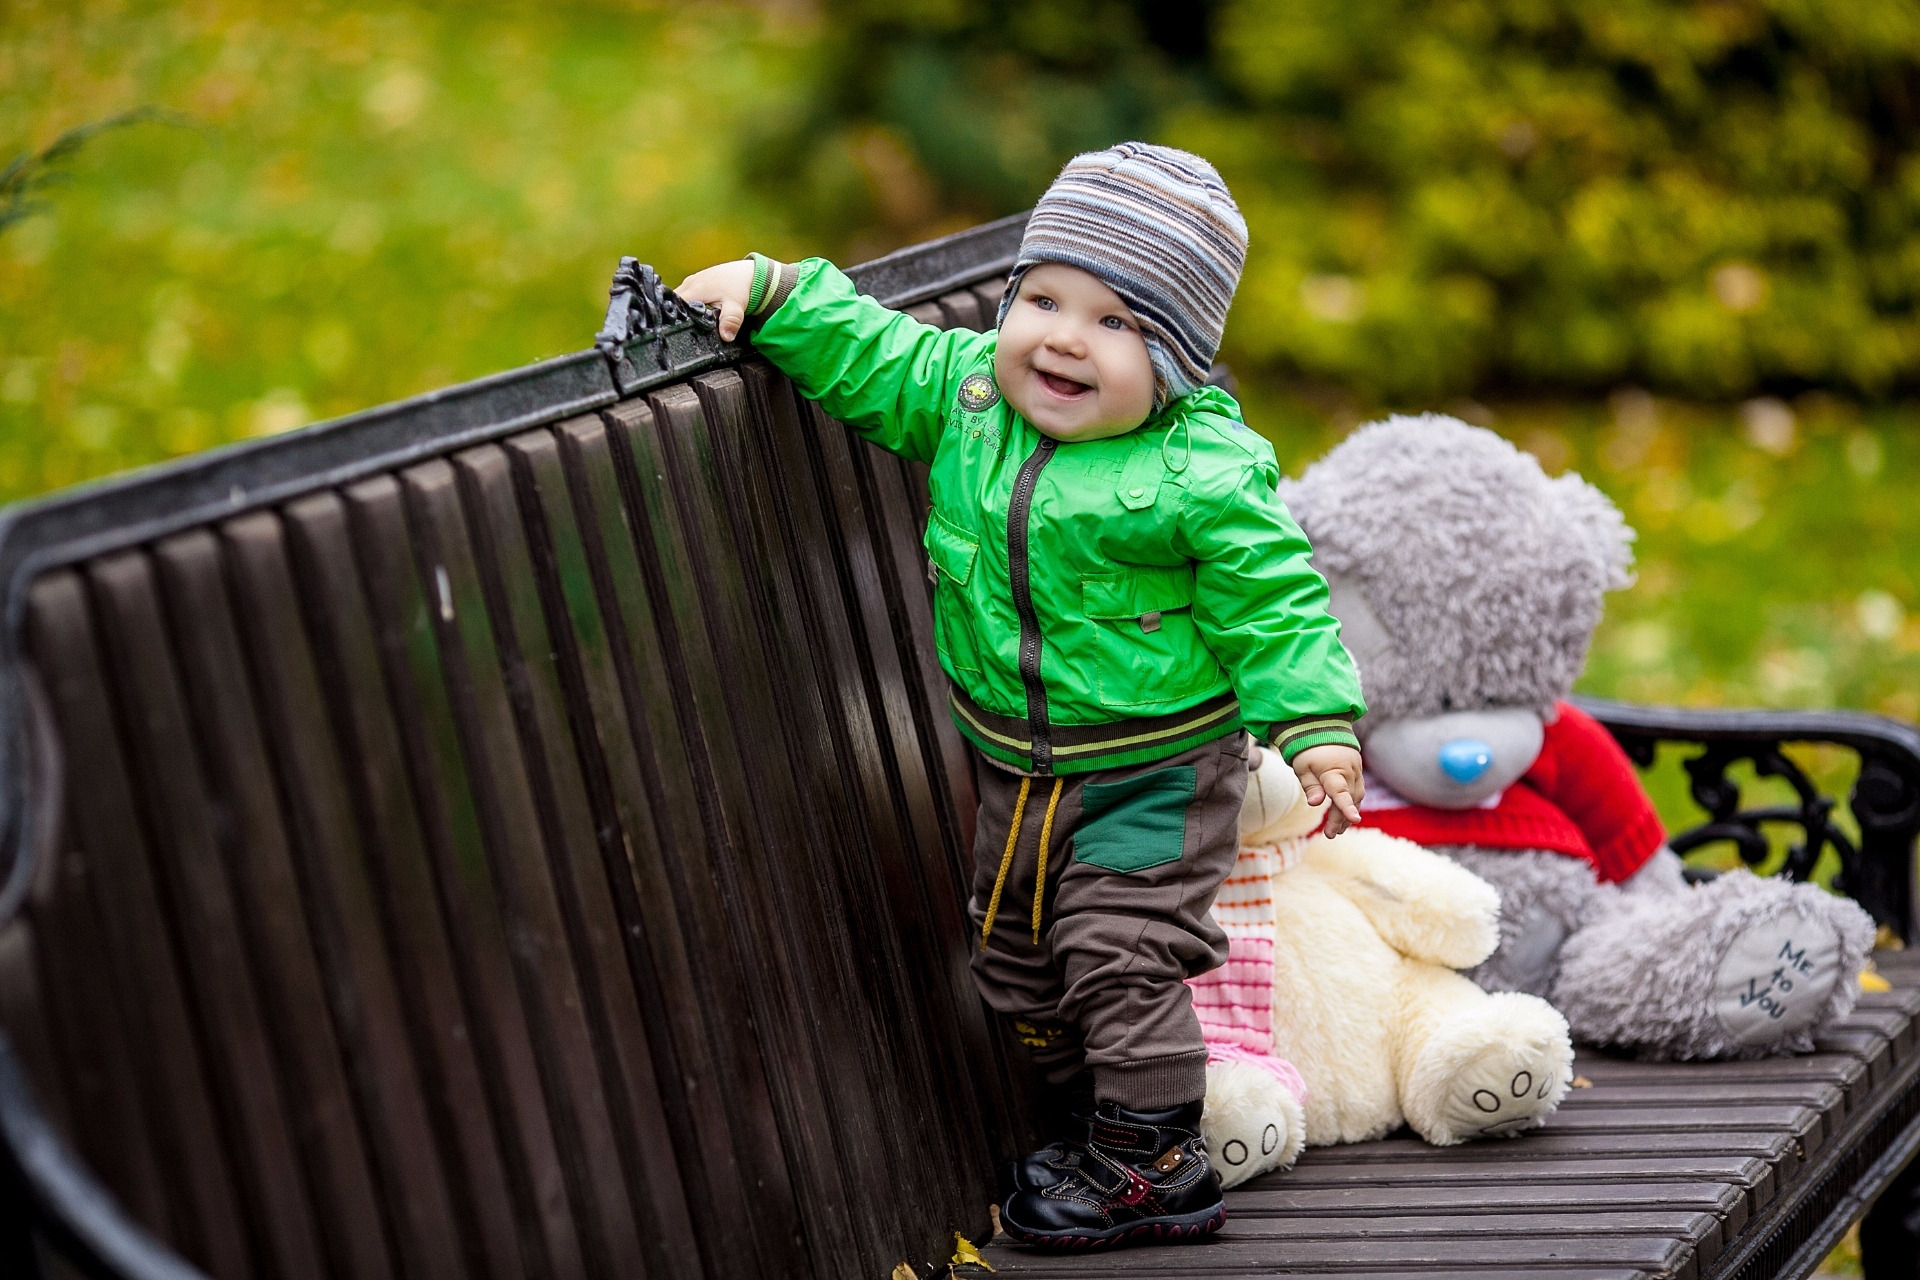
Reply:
x=1492 y=1078
x=1500 y=1096
x=1775 y=977
x=1252 y=1124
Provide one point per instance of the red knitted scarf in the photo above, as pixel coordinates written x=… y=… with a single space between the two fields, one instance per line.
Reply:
x=1582 y=797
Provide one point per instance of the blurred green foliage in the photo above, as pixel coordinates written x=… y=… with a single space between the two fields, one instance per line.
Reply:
x=1449 y=195
x=1707 y=197
x=922 y=115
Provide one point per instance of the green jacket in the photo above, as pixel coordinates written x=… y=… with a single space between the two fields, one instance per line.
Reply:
x=1097 y=604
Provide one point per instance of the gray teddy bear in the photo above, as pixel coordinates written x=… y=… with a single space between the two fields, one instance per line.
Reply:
x=1468 y=584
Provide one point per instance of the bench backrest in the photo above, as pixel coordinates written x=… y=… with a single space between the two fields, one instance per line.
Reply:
x=512 y=833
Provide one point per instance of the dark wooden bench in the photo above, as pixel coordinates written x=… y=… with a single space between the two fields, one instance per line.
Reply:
x=516 y=832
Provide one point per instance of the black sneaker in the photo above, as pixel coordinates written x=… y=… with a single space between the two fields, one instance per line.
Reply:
x=1137 y=1174
x=1062 y=1114
x=1064 y=1110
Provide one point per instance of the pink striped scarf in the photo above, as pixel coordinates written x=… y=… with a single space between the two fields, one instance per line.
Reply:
x=1235 y=1001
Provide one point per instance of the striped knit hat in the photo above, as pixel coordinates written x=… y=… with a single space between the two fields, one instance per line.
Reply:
x=1159 y=228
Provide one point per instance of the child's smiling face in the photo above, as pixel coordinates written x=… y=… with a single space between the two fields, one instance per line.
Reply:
x=1071 y=359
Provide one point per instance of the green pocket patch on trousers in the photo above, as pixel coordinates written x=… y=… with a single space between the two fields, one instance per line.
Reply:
x=1137 y=823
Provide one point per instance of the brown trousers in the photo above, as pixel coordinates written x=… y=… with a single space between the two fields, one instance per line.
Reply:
x=1134 y=858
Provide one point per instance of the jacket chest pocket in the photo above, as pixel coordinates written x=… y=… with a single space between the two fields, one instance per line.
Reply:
x=953 y=553
x=1147 y=648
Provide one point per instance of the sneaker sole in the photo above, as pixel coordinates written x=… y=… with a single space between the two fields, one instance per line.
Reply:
x=1190 y=1226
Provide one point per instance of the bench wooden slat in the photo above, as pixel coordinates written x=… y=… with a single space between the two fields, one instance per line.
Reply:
x=898 y=513
x=1782 y=1152
x=573 y=868
x=1376 y=1271
x=1895 y=1025
x=772 y=859
x=961 y=310
x=913 y=855
x=197 y=1196
x=825 y=1044
x=441 y=1037
x=717 y=1097
x=189 y=830
x=825 y=821
x=989 y=291
x=1232 y=1253
x=1701 y=1228
x=1745 y=1170
x=283 y=923
x=1727 y=1203
x=809 y=502
x=356 y=970
x=54 y=986
x=61 y=969
x=1628 y=1092
x=491 y=1013
x=1543 y=1143
x=1844 y=1072
x=876 y=741
x=518 y=880
x=699 y=1145
x=831 y=530
x=874 y=860
x=1869 y=1046
x=1806 y=1124
x=852 y=740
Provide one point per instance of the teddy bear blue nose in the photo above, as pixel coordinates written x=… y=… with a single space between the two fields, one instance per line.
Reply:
x=1465 y=759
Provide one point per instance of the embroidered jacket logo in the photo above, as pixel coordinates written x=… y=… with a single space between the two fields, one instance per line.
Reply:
x=978 y=393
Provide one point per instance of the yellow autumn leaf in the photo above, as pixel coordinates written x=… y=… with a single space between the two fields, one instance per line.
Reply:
x=965 y=1255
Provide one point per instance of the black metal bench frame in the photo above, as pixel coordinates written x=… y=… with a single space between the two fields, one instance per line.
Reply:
x=47 y=1194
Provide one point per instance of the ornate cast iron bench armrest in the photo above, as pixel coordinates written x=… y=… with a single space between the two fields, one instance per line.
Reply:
x=1877 y=872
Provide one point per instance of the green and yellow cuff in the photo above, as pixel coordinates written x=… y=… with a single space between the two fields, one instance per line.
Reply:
x=772 y=282
x=1291 y=737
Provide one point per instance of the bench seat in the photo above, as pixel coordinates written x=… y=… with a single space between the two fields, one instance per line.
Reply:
x=1648 y=1170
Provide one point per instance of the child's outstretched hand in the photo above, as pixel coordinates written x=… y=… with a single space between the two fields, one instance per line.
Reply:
x=1332 y=772
x=726 y=287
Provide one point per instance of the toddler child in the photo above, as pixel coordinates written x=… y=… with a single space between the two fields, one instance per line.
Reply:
x=1119 y=595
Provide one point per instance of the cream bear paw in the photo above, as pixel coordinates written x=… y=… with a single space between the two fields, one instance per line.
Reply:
x=1494 y=1076
x=1252 y=1123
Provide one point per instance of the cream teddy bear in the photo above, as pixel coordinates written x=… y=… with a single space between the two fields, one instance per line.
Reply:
x=1362 y=936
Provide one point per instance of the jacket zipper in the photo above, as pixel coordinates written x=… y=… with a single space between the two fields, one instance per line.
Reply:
x=1017 y=509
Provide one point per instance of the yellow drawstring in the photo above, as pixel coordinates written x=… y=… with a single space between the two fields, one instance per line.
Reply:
x=1006 y=860
x=1040 y=876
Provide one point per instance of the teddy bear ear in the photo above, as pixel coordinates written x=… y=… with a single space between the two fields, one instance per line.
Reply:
x=1606 y=529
